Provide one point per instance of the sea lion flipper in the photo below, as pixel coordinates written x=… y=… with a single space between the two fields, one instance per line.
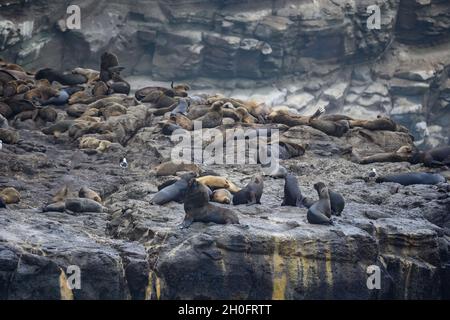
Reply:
x=299 y=202
x=186 y=223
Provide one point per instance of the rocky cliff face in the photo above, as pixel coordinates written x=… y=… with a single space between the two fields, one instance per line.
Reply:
x=301 y=54
x=304 y=53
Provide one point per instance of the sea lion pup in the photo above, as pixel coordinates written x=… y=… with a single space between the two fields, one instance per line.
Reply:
x=173 y=192
x=292 y=195
x=337 y=203
x=216 y=182
x=65 y=78
x=10 y=195
x=85 y=192
x=181 y=107
x=404 y=153
x=251 y=193
x=433 y=158
x=320 y=211
x=198 y=208
x=221 y=196
x=213 y=117
x=410 y=178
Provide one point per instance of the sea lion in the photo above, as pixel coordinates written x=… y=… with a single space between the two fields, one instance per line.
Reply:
x=5 y=110
x=198 y=208
x=173 y=192
x=48 y=114
x=10 y=195
x=3 y=122
x=2 y=203
x=58 y=128
x=65 y=78
x=161 y=101
x=251 y=193
x=337 y=203
x=213 y=117
x=140 y=94
x=170 y=168
x=433 y=158
x=197 y=111
x=320 y=211
x=182 y=121
x=381 y=123
x=221 y=196
x=410 y=178
x=404 y=153
x=292 y=195
x=61 y=98
x=169 y=127
x=85 y=192
x=217 y=182
x=9 y=136
x=108 y=63
x=83 y=205
x=245 y=116
x=61 y=195
x=41 y=93
x=181 y=107
x=94 y=143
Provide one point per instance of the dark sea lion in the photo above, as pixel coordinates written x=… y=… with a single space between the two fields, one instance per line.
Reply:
x=337 y=203
x=142 y=93
x=292 y=195
x=2 y=203
x=169 y=127
x=320 y=211
x=435 y=157
x=251 y=193
x=381 y=123
x=213 y=117
x=198 y=208
x=65 y=78
x=5 y=110
x=331 y=128
x=411 y=178
x=18 y=104
x=59 y=127
x=173 y=192
x=108 y=61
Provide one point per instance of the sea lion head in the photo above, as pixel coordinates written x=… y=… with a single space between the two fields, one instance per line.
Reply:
x=221 y=196
x=217 y=106
x=258 y=179
x=319 y=186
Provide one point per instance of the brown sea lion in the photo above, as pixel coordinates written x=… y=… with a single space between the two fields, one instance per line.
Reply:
x=85 y=192
x=216 y=182
x=213 y=117
x=221 y=196
x=10 y=195
x=9 y=136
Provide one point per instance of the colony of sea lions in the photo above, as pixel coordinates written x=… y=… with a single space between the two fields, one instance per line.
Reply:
x=84 y=106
